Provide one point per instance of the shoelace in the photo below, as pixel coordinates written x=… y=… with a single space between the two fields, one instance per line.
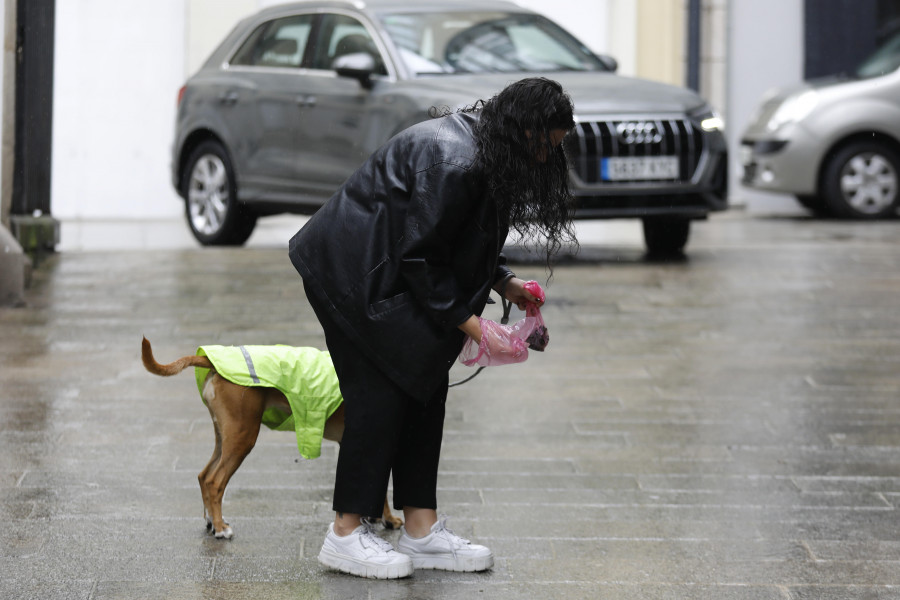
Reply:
x=447 y=533
x=373 y=539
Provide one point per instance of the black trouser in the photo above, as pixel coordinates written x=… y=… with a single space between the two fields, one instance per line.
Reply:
x=385 y=431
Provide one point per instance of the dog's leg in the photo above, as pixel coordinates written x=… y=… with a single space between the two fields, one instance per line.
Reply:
x=204 y=474
x=389 y=520
x=209 y=395
x=238 y=413
x=234 y=450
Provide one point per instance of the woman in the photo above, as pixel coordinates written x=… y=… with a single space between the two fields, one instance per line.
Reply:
x=398 y=265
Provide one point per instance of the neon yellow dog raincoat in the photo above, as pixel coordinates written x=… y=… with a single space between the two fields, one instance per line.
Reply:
x=304 y=375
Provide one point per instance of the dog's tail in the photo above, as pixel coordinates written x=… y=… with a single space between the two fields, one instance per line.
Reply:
x=173 y=368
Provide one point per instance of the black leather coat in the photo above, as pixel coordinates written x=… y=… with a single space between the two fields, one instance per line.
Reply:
x=407 y=250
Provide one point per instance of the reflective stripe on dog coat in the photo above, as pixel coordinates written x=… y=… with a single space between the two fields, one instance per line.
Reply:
x=304 y=375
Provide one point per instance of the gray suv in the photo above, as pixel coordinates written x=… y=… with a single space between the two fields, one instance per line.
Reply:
x=298 y=95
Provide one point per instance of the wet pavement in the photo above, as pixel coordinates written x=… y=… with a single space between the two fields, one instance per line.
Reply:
x=725 y=427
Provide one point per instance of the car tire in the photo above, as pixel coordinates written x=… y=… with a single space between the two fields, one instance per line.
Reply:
x=213 y=213
x=862 y=181
x=666 y=236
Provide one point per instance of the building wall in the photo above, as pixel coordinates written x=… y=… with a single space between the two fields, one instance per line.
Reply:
x=765 y=50
x=622 y=23
x=714 y=30
x=207 y=22
x=661 y=40
x=118 y=67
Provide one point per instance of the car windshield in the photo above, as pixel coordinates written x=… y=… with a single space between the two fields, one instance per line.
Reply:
x=883 y=61
x=488 y=42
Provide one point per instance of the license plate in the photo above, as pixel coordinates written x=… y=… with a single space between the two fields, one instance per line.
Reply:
x=639 y=168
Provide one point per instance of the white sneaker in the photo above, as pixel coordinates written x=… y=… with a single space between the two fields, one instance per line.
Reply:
x=443 y=549
x=364 y=554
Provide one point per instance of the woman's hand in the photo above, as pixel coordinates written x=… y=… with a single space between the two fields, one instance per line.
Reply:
x=472 y=328
x=516 y=293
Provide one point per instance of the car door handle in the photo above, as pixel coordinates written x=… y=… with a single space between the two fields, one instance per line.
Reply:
x=230 y=97
x=306 y=101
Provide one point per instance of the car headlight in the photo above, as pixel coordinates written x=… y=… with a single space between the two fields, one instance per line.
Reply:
x=713 y=123
x=794 y=109
x=709 y=119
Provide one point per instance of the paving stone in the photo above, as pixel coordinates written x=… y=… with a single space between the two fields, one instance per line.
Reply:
x=720 y=427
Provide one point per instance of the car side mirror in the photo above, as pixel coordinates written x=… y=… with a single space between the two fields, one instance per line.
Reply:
x=358 y=65
x=609 y=62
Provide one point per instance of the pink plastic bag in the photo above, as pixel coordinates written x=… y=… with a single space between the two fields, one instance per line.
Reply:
x=508 y=344
x=535 y=289
x=499 y=346
x=539 y=336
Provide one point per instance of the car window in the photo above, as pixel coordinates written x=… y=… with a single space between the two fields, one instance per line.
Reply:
x=486 y=42
x=340 y=35
x=278 y=43
x=886 y=59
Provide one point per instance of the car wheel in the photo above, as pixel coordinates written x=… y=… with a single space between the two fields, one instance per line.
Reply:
x=666 y=236
x=860 y=181
x=215 y=216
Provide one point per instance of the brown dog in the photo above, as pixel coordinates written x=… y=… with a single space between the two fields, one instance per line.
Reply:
x=236 y=413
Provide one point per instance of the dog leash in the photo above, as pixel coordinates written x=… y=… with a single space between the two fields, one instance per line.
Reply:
x=507 y=307
x=467 y=379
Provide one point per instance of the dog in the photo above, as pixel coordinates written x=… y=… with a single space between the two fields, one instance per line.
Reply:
x=237 y=413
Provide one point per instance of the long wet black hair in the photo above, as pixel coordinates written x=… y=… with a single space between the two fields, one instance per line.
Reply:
x=527 y=177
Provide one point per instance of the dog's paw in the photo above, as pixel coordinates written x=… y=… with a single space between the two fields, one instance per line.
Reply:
x=392 y=522
x=225 y=534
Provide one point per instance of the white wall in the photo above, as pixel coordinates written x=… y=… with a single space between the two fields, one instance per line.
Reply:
x=714 y=54
x=622 y=25
x=765 y=50
x=118 y=68
x=207 y=23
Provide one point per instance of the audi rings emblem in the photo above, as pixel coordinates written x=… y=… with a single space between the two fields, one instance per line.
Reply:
x=638 y=132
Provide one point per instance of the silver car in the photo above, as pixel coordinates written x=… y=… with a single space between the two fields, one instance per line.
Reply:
x=834 y=143
x=298 y=95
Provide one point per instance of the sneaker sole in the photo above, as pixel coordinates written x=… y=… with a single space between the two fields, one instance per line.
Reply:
x=449 y=563
x=351 y=566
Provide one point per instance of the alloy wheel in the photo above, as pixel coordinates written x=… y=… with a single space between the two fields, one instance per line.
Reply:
x=208 y=194
x=869 y=183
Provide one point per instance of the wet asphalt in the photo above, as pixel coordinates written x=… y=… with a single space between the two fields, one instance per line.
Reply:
x=726 y=426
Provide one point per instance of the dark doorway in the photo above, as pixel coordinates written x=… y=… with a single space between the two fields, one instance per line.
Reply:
x=840 y=33
x=34 y=106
